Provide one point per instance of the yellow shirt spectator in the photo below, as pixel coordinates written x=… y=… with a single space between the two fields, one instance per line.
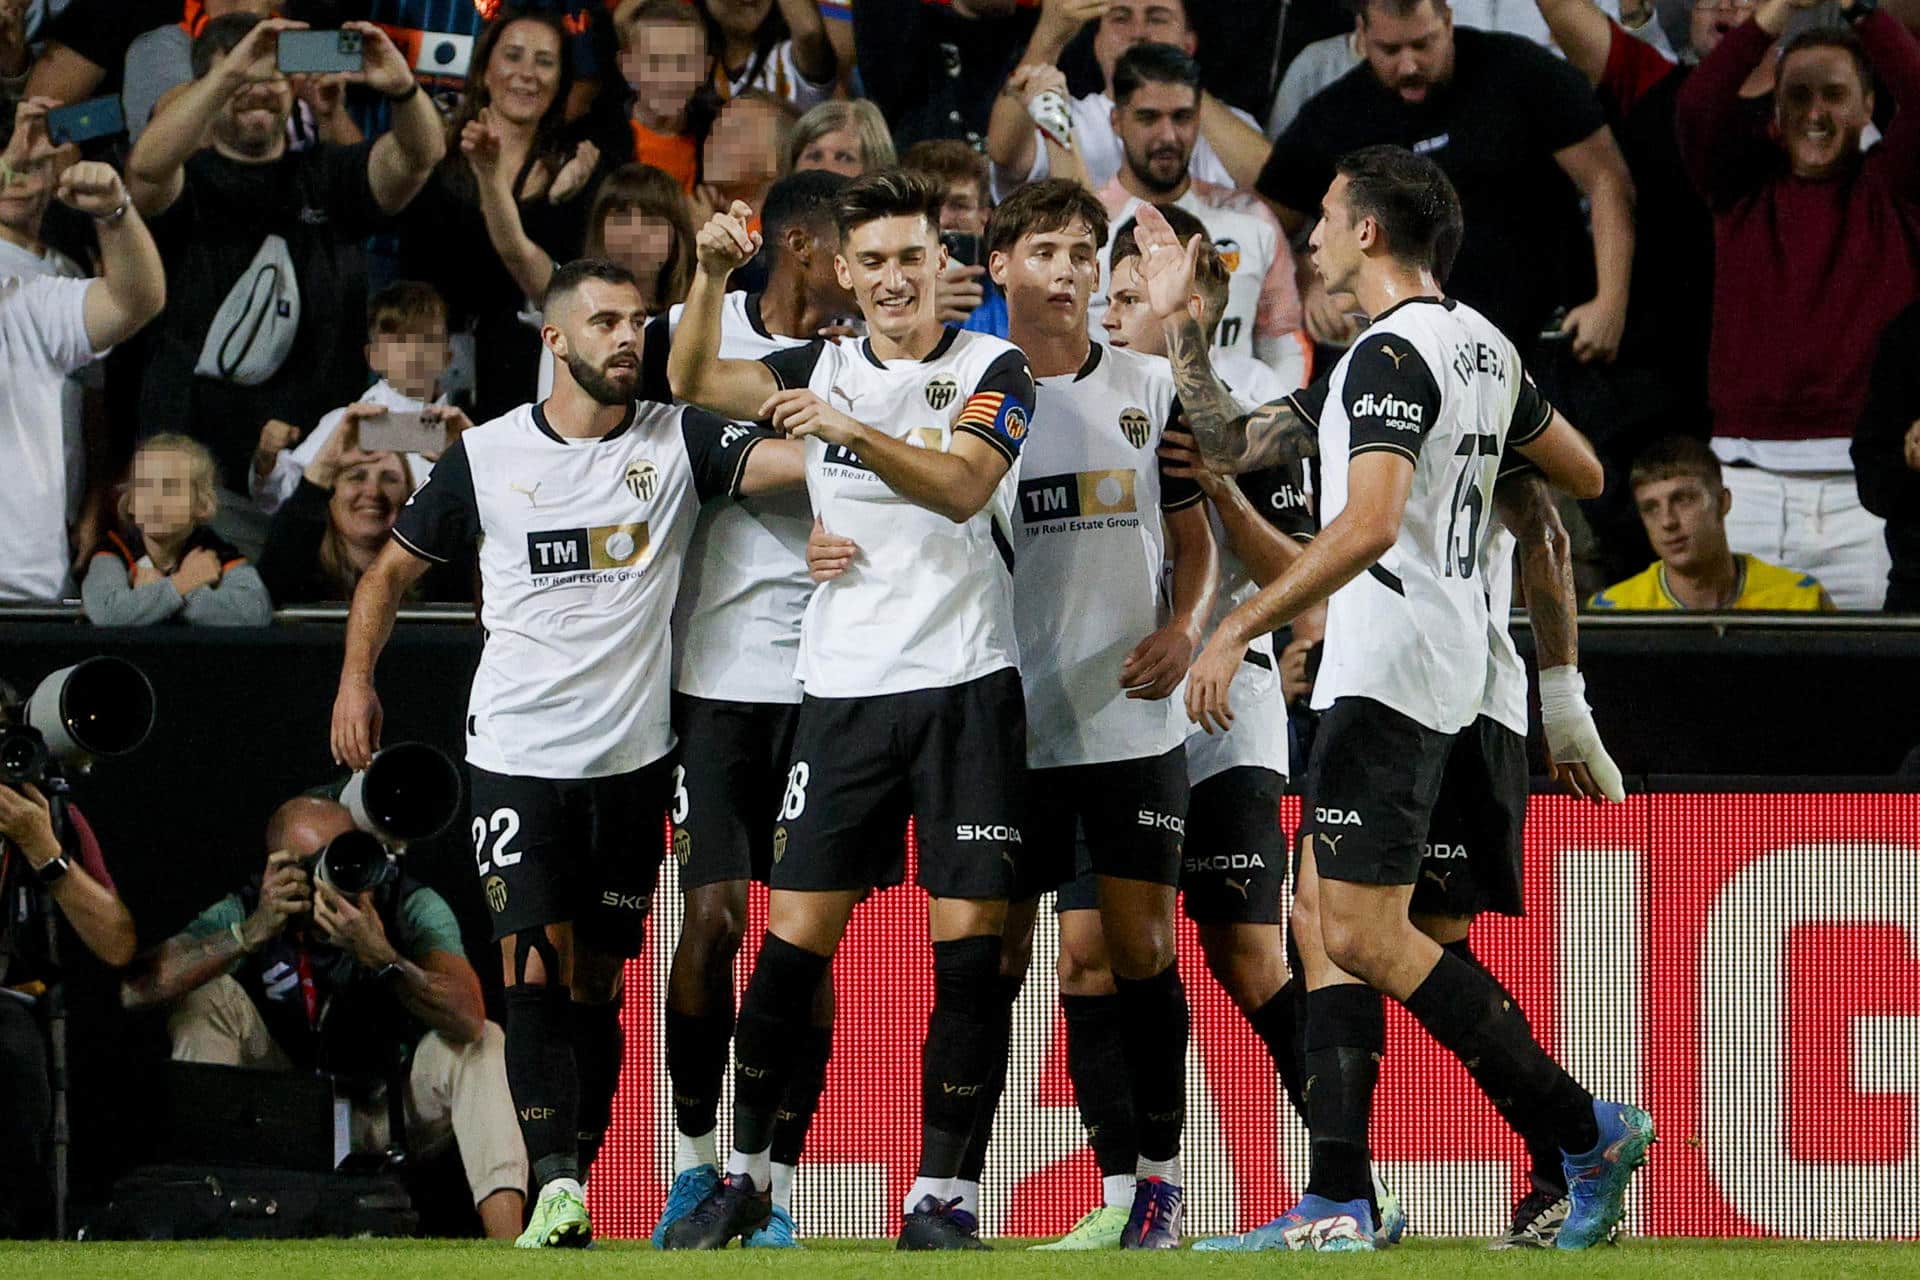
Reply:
x=1761 y=586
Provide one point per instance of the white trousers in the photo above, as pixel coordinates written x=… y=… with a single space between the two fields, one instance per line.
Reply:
x=1812 y=522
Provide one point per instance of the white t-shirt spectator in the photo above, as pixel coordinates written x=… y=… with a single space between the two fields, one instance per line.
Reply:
x=778 y=74
x=1099 y=148
x=43 y=340
x=279 y=484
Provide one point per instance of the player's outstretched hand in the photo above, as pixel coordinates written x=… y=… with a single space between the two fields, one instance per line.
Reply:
x=356 y=724
x=1167 y=266
x=828 y=554
x=801 y=413
x=1180 y=456
x=724 y=244
x=1209 y=681
x=1580 y=760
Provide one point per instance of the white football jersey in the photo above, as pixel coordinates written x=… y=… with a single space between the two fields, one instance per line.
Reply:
x=1262 y=297
x=928 y=603
x=1086 y=579
x=736 y=625
x=581 y=547
x=1434 y=381
x=1506 y=700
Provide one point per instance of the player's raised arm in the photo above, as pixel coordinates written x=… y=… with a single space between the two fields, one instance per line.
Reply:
x=1551 y=443
x=1230 y=438
x=695 y=371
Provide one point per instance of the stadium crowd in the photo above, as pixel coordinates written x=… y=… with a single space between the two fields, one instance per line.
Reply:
x=248 y=311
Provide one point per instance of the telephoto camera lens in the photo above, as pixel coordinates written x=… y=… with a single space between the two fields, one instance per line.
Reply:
x=23 y=756
x=354 y=862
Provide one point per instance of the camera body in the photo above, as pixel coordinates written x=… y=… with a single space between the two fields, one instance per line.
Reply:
x=353 y=863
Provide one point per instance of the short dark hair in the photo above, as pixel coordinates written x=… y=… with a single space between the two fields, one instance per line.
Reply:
x=568 y=278
x=1154 y=64
x=1412 y=200
x=1842 y=38
x=951 y=161
x=1051 y=204
x=890 y=193
x=1673 y=457
x=806 y=199
x=219 y=36
x=1398 y=8
x=1210 y=274
x=403 y=306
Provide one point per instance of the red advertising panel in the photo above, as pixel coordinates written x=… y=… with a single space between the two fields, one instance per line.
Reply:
x=1745 y=966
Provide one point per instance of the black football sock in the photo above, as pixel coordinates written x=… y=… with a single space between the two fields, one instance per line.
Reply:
x=774 y=1016
x=1477 y=1022
x=1097 y=1065
x=1548 y=1173
x=1346 y=1034
x=598 y=1047
x=1278 y=1023
x=1153 y=1032
x=544 y=1079
x=974 y=1163
x=802 y=1101
x=958 y=1055
x=697 y=1066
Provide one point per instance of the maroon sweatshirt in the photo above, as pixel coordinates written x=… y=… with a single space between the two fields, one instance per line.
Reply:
x=1806 y=274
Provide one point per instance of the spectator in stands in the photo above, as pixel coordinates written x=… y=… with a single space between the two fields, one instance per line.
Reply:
x=16 y=52
x=519 y=91
x=1806 y=227
x=85 y=45
x=1678 y=489
x=968 y=297
x=78 y=885
x=161 y=59
x=1231 y=146
x=265 y=247
x=164 y=563
x=1886 y=455
x=49 y=327
x=663 y=55
x=934 y=67
x=387 y=968
x=1156 y=115
x=408 y=351
x=847 y=138
x=778 y=48
x=339 y=518
x=1519 y=134
x=744 y=152
x=1314 y=68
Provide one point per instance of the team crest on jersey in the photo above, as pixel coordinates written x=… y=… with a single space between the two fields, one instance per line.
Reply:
x=1016 y=423
x=1229 y=251
x=642 y=480
x=779 y=843
x=941 y=391
x=682 y=845
x=496 y=890
x=1134 y=425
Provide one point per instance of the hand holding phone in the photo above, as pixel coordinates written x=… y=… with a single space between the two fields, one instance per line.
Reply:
x=85 y=121
x=398 y=431
x=320 y=52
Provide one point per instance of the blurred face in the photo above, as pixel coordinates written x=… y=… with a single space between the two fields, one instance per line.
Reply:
x=1821 y=108
x=665 y=63
x=891 y=266
x=1712 y=19
x=24 y=196
x=742 y=147
x=1158 y=128
x=1130 y=322
x=1685 y=517
x=162 y=495
x=1127 y=23
x=965 y=209
x=740 y=19
x=253 y=120
x=825 y=293
x=1335 y=245
x=1409 y=55
x=413 y=360
x=598 y=333
x=1048 y=277
x=639 y=241
x=367 y=499
x=523 y=75
x=837 y=152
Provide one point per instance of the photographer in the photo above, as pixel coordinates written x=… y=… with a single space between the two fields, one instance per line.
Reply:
x=290 y=973
x=76 y=882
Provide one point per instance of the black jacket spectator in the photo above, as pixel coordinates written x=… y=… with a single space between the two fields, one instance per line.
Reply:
x=1886 y=454
x=298 y=567
x=932 y=71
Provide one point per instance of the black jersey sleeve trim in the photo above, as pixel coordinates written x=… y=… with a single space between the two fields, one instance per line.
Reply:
x=421 y=552
x=1382 y=446
x=1000 y=446
x=1308 y=402
x=793 y=368
x=740 y=468
x=1532 y=413
x=1181 y=502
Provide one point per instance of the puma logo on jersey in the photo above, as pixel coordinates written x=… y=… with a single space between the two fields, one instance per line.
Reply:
x=1000 y=831
x=1161 y=821
x=1337 y=817
x=1391 y=354
x=1238 y=886
x=1390 y=407
x=531 y=495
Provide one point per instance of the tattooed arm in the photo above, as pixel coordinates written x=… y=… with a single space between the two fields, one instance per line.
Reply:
x=1231 y=439
x=1525 y=504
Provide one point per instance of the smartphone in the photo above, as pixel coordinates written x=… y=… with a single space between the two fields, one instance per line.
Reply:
x=85 y=121
x=319 y=52
x=963 y=247
x=394 y=432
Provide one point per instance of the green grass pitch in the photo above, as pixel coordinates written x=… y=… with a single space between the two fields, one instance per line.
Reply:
x=855 y=1260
